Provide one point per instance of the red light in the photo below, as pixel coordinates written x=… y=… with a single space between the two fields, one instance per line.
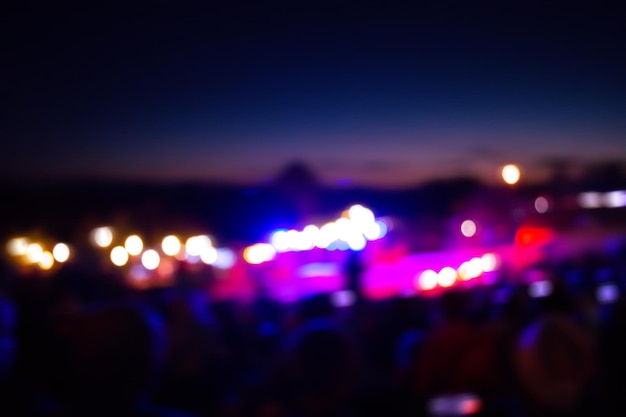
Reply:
x=527 y=236
x=470 y=406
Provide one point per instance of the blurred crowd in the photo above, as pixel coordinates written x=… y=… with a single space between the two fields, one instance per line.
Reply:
x=75 y=346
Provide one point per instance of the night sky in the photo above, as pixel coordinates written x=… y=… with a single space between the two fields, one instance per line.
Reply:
x=369 y=93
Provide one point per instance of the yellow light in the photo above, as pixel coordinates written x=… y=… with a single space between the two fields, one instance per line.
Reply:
x=119 y=256
x=17 y=246
x=46 y=261
x=511 y=174
x=259 y=253
x=150 y=259
x=34 y=252
x=61 y=252
x=468 y=228
x=171 y=245
x=102 y=236
x=133 y=245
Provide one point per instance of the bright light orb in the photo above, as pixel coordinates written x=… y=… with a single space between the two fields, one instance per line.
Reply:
x=259 y=253
x=510 y=174
x=196 y=244
x=372 y=231
x=17 y=246
x=361 y=215
x=208 y=255
x=171 y=245
x=590 y=199
x=46 y=261
x=150 y=259
x=357 y=242
x=489 y=262
x=327 y=235
x=474 y=268
x=225 y=258
x=34 y=252
x=615 y=199
x=468 y=228
x=427 y=280
x=541 y=204
x=280 y=240
x=133 y=245
x=61 y=252
x=540 y=289
x=119 y=256
x=446 y=277
x=102 y=236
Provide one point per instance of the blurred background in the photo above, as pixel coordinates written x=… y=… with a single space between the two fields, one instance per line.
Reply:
x=278 y=209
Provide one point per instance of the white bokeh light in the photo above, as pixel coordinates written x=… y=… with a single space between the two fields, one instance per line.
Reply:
x=150 y=259
x=511 y=174
x=119 y=256
x=171 y=245
x=61 y=252
x=102 y=236
x=133 y=245
x=427 y=280
x=468 y=228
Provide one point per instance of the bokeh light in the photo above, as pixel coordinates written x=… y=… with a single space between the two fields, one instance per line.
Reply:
x=259 y=253
x=208 y=255
x=17 y=246
x=150 y=259
x=61 y=252
x=427 y=280
x=34 y=251
x=488 y=262
x=119 y=256
x=446 y=277
x=133 y=245
x=590 y=199
x=46 y=260
x=225 y=258
x=541 y=204
x=102 y=236
x=171 y=245
x=511 y=174
x=468 y=228
x=280 y=240
x=196 y=244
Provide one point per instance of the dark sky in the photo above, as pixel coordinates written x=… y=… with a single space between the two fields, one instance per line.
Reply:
x=379 y=93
